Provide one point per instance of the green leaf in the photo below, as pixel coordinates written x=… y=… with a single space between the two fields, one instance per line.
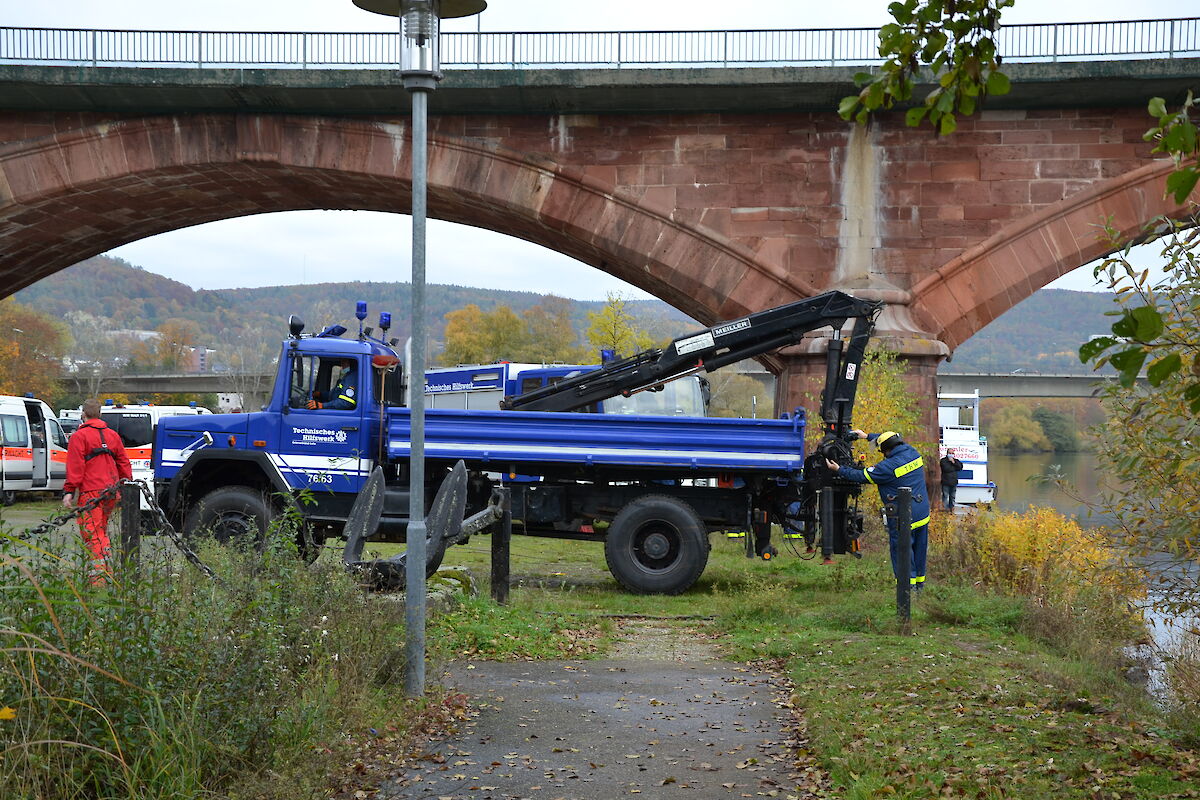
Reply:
x=966 y=105
x=1181 y=182
x=998 y=83
x=1157 y=107
x=900 y=13
x=1163 y=368
x=914 y=115
x=947 y=124
x=1192 y=395
x=863 y=78
x=1090 y=349
x=846 y=107
x=1149 y=323
x=1189 y=138
x=1126 y=326
x=1129 y=362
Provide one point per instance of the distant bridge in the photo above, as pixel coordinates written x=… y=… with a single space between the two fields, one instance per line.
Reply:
x=989 y=384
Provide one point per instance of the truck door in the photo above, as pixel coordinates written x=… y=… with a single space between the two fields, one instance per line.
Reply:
x=322 y=448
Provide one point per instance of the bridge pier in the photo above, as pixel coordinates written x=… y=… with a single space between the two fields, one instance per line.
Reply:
x=801 y=378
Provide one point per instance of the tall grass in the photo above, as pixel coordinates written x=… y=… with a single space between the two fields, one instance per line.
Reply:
x=1081 y=593
x=168 y=684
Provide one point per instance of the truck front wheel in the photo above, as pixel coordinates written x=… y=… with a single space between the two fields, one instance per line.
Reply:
x=229 y=514
x=656 y=545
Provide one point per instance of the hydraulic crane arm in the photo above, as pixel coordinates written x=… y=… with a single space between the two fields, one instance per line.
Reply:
x=719 y=346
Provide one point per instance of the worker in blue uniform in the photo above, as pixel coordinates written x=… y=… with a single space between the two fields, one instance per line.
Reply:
x=344 y=394
x=901 y=466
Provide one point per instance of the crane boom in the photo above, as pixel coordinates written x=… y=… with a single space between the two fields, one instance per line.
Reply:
x=723 y=344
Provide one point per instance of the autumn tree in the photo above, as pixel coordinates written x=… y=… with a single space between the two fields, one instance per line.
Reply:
x=549 y=333
x=542 y=334
x=31 y=352
x=1012 y=427
x=614 y=328
x=1149 y=441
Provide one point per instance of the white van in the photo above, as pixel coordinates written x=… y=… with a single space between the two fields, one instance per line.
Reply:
x=135 y=424
x=33 y=455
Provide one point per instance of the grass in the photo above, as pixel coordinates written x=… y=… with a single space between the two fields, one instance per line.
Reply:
x=283 y=681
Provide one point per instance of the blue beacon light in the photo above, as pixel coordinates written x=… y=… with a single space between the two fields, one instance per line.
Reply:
x=360 y=311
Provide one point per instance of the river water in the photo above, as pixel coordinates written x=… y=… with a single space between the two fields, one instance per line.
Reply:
x=1016 y=492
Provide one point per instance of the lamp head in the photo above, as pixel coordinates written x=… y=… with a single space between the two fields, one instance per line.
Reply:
x=449 y=9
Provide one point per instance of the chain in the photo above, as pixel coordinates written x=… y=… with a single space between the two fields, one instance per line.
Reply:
x=54 y=523
x=165 y=526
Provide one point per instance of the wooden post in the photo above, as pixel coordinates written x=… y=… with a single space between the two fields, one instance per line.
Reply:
x=501 y=541
x=131 y=524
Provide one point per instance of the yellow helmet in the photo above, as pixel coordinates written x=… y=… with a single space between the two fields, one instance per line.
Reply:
x=888 y=438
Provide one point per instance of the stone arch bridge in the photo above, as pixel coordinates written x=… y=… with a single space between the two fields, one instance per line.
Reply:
x=721 y=191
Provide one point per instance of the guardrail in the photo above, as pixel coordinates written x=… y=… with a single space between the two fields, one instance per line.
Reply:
x=1165 y=38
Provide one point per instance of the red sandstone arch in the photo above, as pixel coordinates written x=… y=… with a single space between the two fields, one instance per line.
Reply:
x=72 y=195
x=986 y=280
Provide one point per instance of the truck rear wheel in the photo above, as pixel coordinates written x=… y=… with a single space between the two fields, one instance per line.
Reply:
x=230 y=514
x=656 y=545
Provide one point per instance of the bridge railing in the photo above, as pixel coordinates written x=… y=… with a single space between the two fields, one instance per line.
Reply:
x=1153 y=38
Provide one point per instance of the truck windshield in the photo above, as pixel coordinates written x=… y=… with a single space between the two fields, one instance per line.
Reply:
x=135 y=428
x=679 y=398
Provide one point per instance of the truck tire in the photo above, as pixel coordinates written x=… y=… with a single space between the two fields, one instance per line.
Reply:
x=656 y=545
x=8 y=498
x=230 y=514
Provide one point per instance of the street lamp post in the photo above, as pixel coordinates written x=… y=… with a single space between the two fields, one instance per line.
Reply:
x=420 y=69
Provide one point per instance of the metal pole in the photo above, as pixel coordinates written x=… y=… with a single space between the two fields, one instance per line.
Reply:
x=414 y=608
x=904 y=558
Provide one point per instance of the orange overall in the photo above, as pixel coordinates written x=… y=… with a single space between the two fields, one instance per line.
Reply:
x=95 y=461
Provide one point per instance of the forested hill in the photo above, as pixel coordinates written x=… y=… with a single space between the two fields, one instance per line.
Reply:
x=1042 y=333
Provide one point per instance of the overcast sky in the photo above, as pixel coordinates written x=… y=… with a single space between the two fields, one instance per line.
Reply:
x=319 y=246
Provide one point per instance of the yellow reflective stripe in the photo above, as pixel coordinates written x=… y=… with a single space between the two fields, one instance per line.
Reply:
x=919 y=579
x=344 y=397
x=867 y=475
x=904 y=469
x=921 y=522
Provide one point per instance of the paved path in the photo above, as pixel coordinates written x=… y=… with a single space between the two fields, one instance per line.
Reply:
x=661 y=718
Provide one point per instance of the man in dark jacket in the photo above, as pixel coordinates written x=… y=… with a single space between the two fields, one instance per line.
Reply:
x=950 y=466
x=901 y=466
x=96 y=461
x=344 y=394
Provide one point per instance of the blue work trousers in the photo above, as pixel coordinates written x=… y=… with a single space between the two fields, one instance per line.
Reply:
x=920 y=546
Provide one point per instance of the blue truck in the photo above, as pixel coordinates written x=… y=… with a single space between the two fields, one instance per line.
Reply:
x=627 y=480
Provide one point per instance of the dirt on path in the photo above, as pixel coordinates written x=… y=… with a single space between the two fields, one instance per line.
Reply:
x=662 y=717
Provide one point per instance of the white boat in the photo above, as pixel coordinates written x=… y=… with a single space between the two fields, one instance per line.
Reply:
x=958 y=421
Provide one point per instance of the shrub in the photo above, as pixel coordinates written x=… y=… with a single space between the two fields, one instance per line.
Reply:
x=169 y=684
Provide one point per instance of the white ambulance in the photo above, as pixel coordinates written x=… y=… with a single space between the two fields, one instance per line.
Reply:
x=33 y=451
x=136 y=425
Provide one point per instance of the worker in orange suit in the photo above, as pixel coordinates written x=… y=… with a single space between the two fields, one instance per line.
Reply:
x=96 y=461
